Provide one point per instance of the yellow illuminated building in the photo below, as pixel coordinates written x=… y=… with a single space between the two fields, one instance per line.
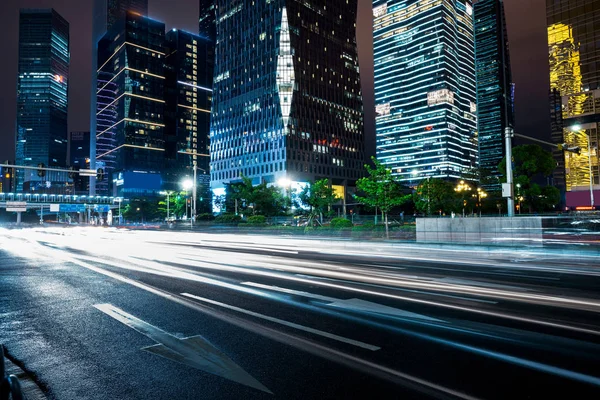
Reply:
x=566 y=77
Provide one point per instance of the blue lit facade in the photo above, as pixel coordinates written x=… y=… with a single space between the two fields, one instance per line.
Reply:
x=425 y=92
x=494 y=88
x=206 y=20
x=130 y=105
x=287 y=99
x=42 y=94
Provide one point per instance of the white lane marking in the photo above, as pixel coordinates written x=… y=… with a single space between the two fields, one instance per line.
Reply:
x=348 y=304
x=287 y=323
x=281 y=337
x=194 y=351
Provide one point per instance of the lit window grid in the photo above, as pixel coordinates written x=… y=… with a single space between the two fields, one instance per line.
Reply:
x=457 y=149
x=247 y=143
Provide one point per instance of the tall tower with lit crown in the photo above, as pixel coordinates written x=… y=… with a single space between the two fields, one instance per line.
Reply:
x=287 y=103
x=573 y=37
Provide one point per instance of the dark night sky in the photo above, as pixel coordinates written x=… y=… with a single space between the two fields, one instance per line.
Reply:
x=526 y=30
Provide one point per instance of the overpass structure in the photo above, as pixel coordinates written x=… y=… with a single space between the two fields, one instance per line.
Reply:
x=84 y=206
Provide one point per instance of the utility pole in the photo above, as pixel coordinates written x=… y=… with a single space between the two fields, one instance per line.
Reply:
x=508 y=192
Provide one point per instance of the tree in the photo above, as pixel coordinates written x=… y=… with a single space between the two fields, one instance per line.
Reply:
x=436 y=195
x=261 y=199
x=380 y=190
x=532 y=162
x=318 y=197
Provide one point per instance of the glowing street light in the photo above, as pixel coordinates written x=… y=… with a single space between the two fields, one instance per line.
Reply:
x=167 y=193
x=463 y=187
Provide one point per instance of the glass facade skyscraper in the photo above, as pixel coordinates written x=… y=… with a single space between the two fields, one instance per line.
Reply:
x=188 y=94
x=494 y=88
x=574 y=54
x=116 y=10
x=206 y=21
x=105 y=13
x=42 y=90
x=425 y=94
x=287 y=99
x=130 y=104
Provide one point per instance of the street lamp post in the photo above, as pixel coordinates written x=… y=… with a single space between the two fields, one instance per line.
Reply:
x=285 y=184
x=462 y=187
x=168 y=193
x=480 y=195
x=187 y=185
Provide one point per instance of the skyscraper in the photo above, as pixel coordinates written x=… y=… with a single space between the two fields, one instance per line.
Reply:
x=287 y=103
x=492 y=66
x=105 y=13
x=573 y=37
x=42 y=89
x=79 y=158
x=425 y=88
x=206 y=21
x=130 y=117
x=116 y=10
x=188 y=93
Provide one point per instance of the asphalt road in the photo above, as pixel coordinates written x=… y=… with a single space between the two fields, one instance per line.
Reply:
x=114 y=314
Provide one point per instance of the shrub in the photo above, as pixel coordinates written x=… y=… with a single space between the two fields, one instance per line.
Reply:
x=228 y=219
x=205 y=217
x=257 y=220
x=341 y=223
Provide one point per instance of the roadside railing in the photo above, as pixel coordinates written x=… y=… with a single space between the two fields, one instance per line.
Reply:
x=9 y=384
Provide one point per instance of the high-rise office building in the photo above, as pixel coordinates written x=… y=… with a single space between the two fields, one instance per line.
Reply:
x=79 y=158
x=494 y=88
x=188 y=94
x=573 y=37
x=105 y=14
x=425 y=88
x=116 y=10
x=287 y=103
x=206 y=21
x=130 y=103
x=42 y=89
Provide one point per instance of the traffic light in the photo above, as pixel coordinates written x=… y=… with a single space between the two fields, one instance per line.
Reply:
x=41 y=171
x=72 y=173
x=100 y=174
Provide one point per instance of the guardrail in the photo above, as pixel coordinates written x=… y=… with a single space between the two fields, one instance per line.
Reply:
x=9 y=384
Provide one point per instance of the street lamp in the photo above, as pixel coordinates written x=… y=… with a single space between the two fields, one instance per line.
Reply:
x=285 y=183
x=167 y=193
x=463 y=187
x=481 y=195
x=188 y=184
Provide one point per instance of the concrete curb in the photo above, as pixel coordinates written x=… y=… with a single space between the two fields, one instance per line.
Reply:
x=31 y=391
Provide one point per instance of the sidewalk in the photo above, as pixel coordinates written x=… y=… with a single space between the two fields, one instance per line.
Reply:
x=31 y=390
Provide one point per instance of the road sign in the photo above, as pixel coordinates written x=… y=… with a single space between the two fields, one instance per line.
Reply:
x=101 y=208
x=66 y=208
x=87 y=172
x=16 y=206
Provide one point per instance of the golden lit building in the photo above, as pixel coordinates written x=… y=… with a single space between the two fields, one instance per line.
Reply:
x=575 y=80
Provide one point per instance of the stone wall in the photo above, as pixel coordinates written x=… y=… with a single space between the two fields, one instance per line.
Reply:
x=498 y=231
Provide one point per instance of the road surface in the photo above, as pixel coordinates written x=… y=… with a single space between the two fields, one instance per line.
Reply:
x=116 y=314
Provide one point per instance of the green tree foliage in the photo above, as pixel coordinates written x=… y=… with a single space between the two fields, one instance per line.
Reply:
x=437 y=196
x=318 y=197
x=255 y=199
x=142 y=210
x=380 y=190
x=530 y=162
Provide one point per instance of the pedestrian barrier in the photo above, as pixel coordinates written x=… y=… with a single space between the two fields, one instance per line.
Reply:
x=9 y=384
